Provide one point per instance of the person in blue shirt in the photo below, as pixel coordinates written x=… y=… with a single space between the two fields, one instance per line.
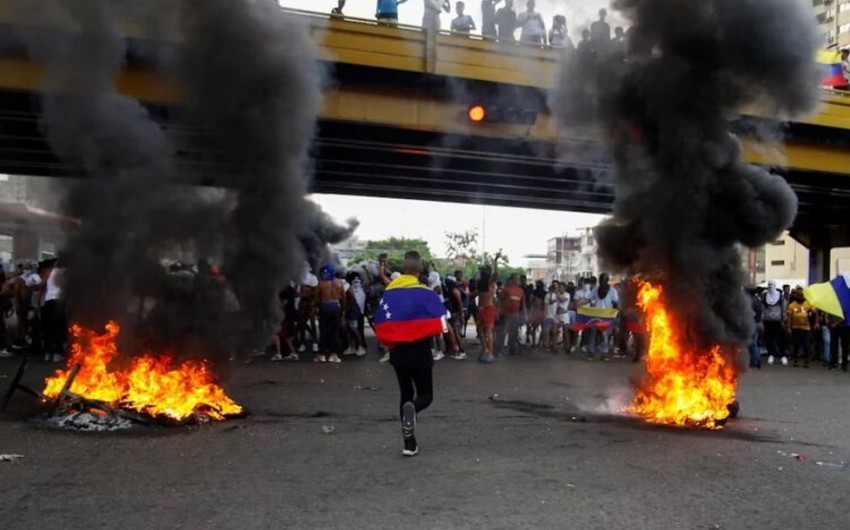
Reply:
x=388 y=10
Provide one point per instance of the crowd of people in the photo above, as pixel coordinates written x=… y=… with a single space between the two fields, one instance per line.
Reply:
x=502 y=24
x=789 y=330
x=32 y=295
x=326 y=315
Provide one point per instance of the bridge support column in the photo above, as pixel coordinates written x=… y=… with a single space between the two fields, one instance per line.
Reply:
x=818 y=264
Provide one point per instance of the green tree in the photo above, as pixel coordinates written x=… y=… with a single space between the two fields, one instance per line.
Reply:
x=394 y=248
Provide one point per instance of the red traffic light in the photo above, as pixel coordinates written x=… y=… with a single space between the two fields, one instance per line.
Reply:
x=477 y=113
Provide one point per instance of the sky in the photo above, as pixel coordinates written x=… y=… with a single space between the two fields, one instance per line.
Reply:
x=516 y=231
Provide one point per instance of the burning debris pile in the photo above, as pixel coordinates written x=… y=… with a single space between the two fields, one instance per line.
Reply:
x=685 y=199
x=250 y=84
x=153 y=387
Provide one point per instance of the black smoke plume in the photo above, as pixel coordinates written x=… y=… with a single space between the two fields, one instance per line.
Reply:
x=685 y=199
x=250 y=83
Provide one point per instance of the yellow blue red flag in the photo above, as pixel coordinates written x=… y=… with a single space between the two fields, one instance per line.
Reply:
x=408 y=311
x=595 y=317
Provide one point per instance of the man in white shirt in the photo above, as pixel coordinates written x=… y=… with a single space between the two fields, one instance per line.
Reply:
x=53 y=321
x=532 y=27
x=431 y=16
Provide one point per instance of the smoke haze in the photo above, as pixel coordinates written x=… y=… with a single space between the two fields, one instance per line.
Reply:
x=684 y=197
x=251 y=85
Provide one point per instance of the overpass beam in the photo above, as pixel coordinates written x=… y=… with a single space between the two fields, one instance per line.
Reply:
x=819 y=264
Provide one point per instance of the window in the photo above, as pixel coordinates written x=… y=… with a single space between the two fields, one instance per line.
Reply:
x=843 y=28
x=817 y=2
x=844 y=6
x=779 y=243
x=777 y=263
x=4 y=177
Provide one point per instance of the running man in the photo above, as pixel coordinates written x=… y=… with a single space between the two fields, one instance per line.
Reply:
x=407 y=317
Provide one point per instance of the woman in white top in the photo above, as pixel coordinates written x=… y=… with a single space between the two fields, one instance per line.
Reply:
x=562 y=311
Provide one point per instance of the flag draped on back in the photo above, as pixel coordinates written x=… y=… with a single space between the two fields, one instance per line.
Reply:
x=408 y=311
x=595 y=317
x=832 y=297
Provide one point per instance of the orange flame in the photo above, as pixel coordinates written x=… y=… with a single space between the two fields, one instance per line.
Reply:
x=151 y=385
x=683 y=387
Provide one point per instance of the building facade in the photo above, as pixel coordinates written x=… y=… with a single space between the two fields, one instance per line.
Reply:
x=572 y=256
x=833 y=18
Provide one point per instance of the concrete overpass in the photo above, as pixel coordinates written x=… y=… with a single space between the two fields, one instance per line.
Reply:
x=394 y=124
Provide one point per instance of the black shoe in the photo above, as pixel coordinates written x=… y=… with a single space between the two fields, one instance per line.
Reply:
x=410 y=447
x=408 y=421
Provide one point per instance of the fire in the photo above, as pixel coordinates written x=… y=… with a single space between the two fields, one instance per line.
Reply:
x=150 y=385
x=683 y=387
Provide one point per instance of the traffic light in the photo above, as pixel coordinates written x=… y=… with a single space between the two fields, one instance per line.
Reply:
x=480 y=113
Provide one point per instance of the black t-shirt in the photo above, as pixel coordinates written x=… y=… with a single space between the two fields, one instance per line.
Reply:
x=414 y=354
x=506 y=20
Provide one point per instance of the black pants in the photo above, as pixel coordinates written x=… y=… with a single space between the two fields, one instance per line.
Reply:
x=837 y=335
x=416 y=384
x=329 y=330
x=800 y=345
x=773 y=335
x=413 y=362
x=54 y=327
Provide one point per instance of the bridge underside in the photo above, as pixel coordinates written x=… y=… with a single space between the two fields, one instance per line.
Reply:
x=357 y=159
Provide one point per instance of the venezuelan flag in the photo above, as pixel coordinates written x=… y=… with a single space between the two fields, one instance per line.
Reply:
x=832 y=71
x=594 y=317
x=832 y=297
x=409 y=311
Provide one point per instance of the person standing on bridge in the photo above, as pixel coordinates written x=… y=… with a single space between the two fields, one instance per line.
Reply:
x=337 y=11
x=488 y=18
x=431 y=16
x=407 y=317
x=506 y=21
x=532 y=27
x=388 y=10
x=462 y=23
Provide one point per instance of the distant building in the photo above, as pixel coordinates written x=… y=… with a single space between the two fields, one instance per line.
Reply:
x=833 y=19
x=572 y=256
x=27 y=233
x=348 y=249
x=537 y=267
x=787 y=261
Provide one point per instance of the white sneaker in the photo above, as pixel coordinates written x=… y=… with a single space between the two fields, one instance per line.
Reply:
x=361 y=351
x=784 y=361
x=291 y=357
x=385 y=358
x=319 y=359
x=459 y=356
x=48 y=357
x=302 y=348
x=770 y=360
x=5 y=354
x=437 y=355
x=334 y=358
x=349 y=351
x=276 y=358
x=315 y=348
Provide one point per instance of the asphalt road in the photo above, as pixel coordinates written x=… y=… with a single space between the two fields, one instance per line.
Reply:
x=500 y=450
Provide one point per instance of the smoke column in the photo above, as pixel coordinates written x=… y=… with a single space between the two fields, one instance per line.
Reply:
x=684 y=197
x=250 y=81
